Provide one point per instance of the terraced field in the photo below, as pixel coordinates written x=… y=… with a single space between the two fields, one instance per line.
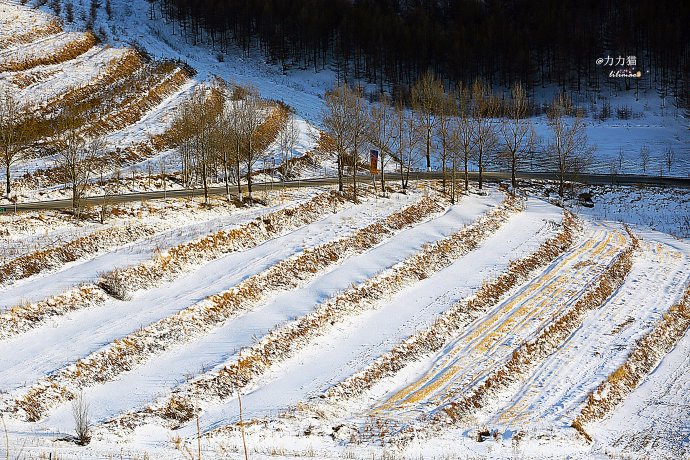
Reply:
x=458 y=296
x=308 y=324
x=115 y=93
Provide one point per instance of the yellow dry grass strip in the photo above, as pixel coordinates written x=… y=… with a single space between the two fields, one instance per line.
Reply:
x=55 y=257
x=643 y=359
x=136 y=105
x=528 y=355
x=459 y=315
x=484 y=337
x=69 y=51
x=126 y=353
x=283 y=341
x=117 y=70
x=23 y=80
x=25 y=317
x=120 y=283
x=50 y=28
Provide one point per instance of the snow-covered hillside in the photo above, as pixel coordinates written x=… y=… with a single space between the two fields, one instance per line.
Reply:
x=308 y=324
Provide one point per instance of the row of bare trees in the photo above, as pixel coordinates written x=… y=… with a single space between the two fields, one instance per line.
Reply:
x=456 y=128
x=217 y=129
x=77 y=159
x=218 y=132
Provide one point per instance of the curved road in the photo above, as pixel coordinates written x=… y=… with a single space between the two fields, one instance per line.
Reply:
x=593 y=179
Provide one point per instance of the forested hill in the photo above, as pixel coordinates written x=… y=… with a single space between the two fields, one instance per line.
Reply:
x=534 y=41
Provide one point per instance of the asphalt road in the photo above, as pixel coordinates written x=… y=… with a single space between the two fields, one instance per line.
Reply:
x=594 y=179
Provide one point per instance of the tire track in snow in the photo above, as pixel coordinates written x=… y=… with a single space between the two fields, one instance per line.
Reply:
x=556 y=389
x=468 y=360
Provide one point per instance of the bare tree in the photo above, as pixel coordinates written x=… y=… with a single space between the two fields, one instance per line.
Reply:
x=568 y=148
x=82 y=425
x=456 y=154
x=446 y=113
x=233 y=127
x=76 y=160
x=484 y=132
x=14 y=133
x=669 y=158
x=381 y=133
x=644 y=158
x=517 y=130
x=465 y=130
x=336 y=123
x=357 y=113
x=226 y=143
x=427 y=94
x=408 y=138
x=251 y=114
x=183 y=139
x=287 y=139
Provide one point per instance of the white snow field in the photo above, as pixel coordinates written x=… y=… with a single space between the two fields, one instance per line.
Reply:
x=392 y=327
x=530 y=414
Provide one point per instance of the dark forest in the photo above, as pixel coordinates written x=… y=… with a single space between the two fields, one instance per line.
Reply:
x=537 y=42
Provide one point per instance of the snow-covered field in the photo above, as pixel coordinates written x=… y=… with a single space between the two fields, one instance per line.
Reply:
x=288 y=403
x=393 y=327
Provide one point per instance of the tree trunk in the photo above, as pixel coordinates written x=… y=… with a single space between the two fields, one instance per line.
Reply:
x=452 y=180
x=428 y=149
x=383 y=176
x=8 y=182
x=340 y=173
x=467 y=181
x=481 y=169
x=239 y=179
x=354 y=175
x=225 y=173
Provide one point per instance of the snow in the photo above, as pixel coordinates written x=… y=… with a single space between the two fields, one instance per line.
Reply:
x=137 y=387
x=556 y=389
x=126 y=254
x=653 y=421
x=532 y=416
x=344 y=352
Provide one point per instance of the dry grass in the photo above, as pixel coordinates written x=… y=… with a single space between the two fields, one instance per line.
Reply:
x=180 y=257
x=37 y=32
x=118 y=98
x=69 y=51
x=644 y=357
x=459 y=315
x=527 y=356
x=24 y=317
x=118 y=70
x=285 y=340
x=25 y=79
x=126 y=353
x=55 y=257
x=161 y=83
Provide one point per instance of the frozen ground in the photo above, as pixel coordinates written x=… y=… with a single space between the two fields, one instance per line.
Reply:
x=530 y=416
